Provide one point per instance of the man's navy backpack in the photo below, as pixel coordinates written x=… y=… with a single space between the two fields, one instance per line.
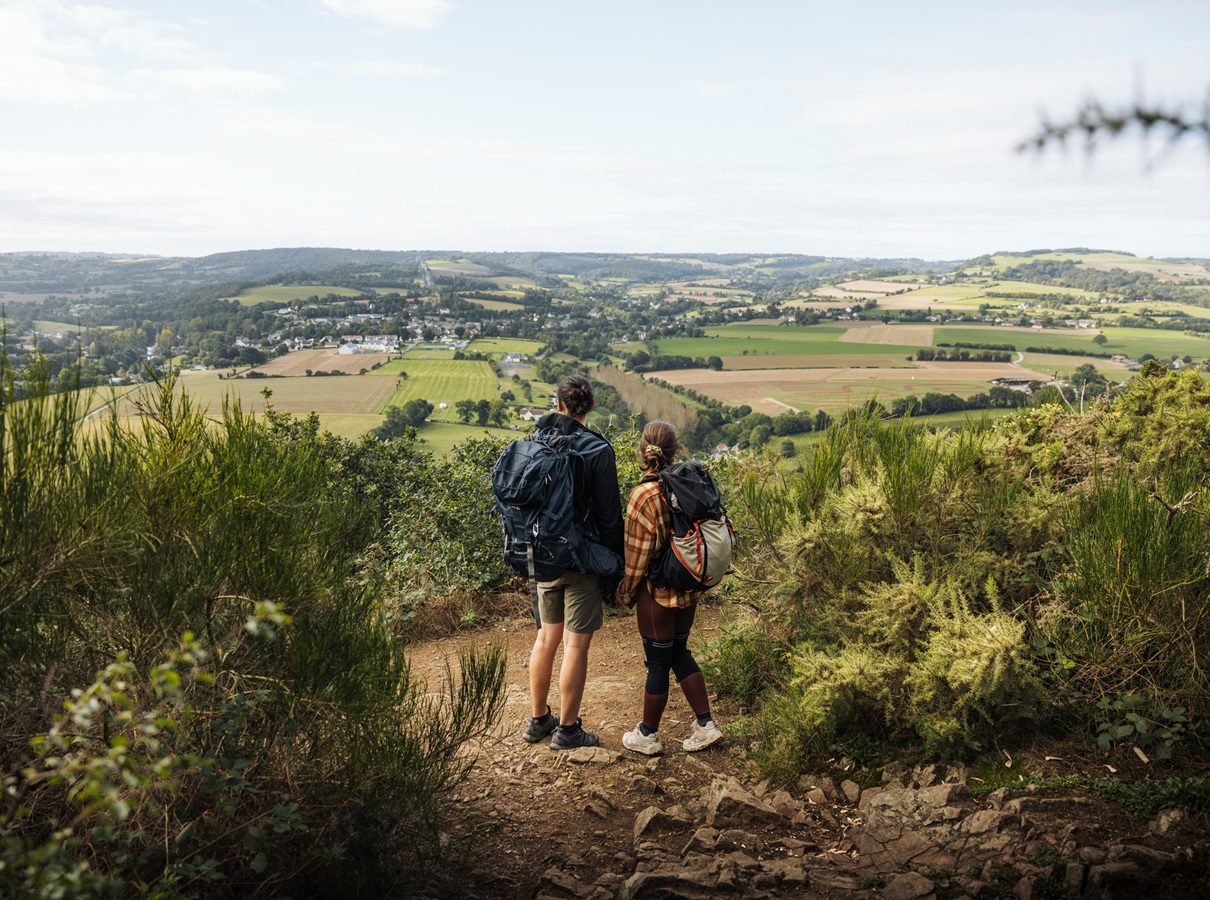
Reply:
x=534 y=484
x=703 y=539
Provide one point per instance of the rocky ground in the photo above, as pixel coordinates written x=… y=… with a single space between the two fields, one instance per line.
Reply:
x=606 y=823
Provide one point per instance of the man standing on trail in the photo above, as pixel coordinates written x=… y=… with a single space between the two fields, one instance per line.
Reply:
x=571 y=608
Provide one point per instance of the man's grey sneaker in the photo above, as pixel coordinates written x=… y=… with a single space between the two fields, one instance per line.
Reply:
x=648 y=744
x=702 y=737
x=569 y=737
x=540 y=727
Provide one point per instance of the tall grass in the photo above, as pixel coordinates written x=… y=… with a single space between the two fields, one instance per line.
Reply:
x=298 y=754
x=1134 y=616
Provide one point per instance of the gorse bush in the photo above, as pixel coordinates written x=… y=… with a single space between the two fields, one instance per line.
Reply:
x=907 y=660
x=930 y=584
x=286 y=746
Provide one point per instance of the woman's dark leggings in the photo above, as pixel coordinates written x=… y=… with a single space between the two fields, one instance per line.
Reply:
x=665 y=633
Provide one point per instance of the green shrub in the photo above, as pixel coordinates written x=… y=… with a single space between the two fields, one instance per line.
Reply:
x=455 y=547
x=744 y=659
x=311 y=763
x=974 y=681
x=828 y=695
x=915 y=661
x=1129 y=611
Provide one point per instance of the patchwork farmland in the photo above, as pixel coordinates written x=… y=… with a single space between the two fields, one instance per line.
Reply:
x=347 y=394
x=283 y=294
x=300 y=362
x=439 y=381
x=775 y=391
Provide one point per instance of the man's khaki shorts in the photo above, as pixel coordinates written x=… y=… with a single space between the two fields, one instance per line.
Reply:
x=575 y=599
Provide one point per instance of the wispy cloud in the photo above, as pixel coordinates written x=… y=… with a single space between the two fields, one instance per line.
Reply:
x=400 y=13
x=385 y=67
x=54 y=53
x=37 y=68
x=211 y=81
x=121 y=31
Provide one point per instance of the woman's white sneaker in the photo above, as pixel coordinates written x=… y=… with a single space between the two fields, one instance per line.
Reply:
x=702 y=737
x=647 y=744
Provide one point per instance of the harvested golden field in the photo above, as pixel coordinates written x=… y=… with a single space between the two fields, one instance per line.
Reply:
x=923 y=299
x=1162 y=271
x=811 y=361
x=697 y=282
x=983 y=371
x=877 y=333
x=298 y=362
x=326 y=395
x=879 y=287
x=840 y=293
x=772 y=391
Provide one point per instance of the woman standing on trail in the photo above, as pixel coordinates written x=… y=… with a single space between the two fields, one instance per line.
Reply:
x=665 y=615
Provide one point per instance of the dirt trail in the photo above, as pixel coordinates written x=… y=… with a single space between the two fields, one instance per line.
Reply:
x=544 y=824
x=543 y=810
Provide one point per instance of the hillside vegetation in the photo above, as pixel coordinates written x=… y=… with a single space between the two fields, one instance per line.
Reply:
x=205 y=616
x=205 y=688
x=958 y=591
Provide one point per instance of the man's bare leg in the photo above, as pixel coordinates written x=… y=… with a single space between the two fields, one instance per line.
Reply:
x=571 y=676
x=541 y=666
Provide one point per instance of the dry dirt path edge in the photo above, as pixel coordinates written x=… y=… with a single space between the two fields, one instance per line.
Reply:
x=606 y=822
x=544 y=810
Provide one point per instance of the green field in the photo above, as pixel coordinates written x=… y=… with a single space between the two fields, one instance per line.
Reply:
x=1133 y=342
x=955 y=420
x=441 y=437
x=44 y=327
x=1061 y=366
x=1161 y=309
x=1017 y=337
x=775 y=340
x=347 y=405
x=456 y=267
x=494 y=305
x=1029 y=287
x=505 y=345
x=1124 y=260
x=442 y=381
x=419 y=353
x=285 y=293
x=1163 y=344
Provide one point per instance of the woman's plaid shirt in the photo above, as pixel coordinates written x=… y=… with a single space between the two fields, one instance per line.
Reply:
x=648 y=528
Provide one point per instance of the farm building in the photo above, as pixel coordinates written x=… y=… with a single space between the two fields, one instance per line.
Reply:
x=1013 y=382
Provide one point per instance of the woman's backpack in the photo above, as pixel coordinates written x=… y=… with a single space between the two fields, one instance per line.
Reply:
x=702 y=544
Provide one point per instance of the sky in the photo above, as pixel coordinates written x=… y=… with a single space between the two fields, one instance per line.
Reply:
x=851 y=129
